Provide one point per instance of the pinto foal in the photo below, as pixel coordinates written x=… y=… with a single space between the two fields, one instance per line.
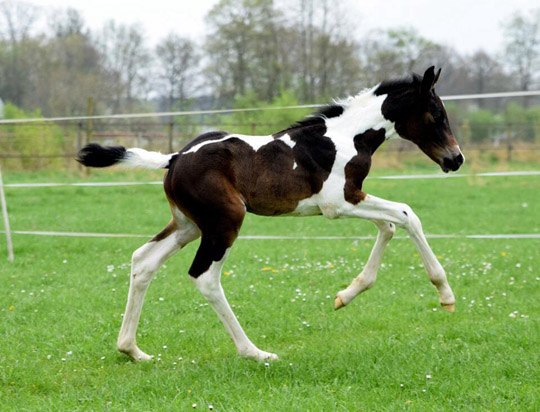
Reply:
x=316 y=167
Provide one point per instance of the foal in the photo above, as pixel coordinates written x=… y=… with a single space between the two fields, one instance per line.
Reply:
x=315 y=167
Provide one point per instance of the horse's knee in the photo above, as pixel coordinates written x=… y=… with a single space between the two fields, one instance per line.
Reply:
x=386 y=230
x=408 y=219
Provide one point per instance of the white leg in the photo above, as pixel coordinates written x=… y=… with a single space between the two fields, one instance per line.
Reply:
x=367 y=277
x=209 y=284
x=144 y=264
x=400 y=214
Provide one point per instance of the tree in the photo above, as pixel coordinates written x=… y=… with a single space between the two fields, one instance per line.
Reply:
x=243 y=48
x=522 y=48
x=177 y=69
x=17 y=19
x=126 y=59
x=485 y=73
x=396 y=52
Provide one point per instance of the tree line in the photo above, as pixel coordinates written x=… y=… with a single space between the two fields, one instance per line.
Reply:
x=254 y=51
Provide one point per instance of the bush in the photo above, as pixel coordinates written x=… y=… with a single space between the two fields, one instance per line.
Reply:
x=482 y=124
x=32 y=139
x=263 y=122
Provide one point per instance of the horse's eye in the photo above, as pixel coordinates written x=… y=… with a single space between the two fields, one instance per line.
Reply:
x=428 y=118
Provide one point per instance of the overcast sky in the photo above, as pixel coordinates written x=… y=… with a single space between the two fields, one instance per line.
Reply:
x=467 y=25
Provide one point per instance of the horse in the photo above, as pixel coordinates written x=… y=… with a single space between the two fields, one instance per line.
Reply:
x=315 y=167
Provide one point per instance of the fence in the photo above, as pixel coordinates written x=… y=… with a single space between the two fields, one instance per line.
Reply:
x=55 y=145
x=34 y=144
x=46 y=143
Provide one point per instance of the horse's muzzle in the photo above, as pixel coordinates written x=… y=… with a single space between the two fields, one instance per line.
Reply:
x=452 y=164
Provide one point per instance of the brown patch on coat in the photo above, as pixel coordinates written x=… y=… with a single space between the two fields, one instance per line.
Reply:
x=266 y=181
x=170 y=228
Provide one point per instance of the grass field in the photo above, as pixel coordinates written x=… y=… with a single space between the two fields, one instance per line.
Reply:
x=392 y=348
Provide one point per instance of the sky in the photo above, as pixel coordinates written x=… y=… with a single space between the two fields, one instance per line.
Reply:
x=467 y=25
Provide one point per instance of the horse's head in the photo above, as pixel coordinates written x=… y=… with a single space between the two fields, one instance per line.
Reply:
x=419 y=115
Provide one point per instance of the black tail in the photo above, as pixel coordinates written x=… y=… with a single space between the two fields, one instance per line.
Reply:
x=94 y=155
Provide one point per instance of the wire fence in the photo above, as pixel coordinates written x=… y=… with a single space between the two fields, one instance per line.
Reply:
x=53 y=143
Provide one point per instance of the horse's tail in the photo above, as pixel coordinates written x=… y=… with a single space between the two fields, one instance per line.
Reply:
x=94 y=155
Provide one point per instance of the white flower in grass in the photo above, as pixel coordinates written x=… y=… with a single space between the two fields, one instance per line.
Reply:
x=161 y=299
x=49 y=356
x=266 y=364
x=428 y=376
x=194 y=405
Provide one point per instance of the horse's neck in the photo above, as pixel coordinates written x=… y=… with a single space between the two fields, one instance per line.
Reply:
x=362 y=113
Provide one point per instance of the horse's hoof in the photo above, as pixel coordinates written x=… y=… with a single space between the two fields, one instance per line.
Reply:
x=449 y=307
x=338 y=303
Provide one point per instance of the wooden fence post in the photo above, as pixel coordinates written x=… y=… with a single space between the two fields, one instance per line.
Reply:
x=89 y=125
x=171 y=130
x=79 y=142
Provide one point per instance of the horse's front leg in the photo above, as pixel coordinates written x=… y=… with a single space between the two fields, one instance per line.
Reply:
x=401 y=215
x=368 y=275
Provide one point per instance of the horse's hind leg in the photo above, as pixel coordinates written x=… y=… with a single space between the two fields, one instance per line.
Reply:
x=144 y=264
x=205 y=272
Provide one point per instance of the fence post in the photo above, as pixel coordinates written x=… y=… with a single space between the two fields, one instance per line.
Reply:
x=79 y=141
x=171 y=130
x=89 y=112
x=6 y=219
x=508 y=142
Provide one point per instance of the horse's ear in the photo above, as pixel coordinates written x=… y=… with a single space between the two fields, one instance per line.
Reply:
x=436 y=77
x=428 y=81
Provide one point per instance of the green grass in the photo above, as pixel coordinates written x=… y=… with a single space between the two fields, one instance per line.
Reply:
x=61 y=306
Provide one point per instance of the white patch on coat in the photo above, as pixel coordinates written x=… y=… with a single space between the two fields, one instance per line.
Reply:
x=256 y=142
x=209 y=284
x=287 y=140
x=362 y=112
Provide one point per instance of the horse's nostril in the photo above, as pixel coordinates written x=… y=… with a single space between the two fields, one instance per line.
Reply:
x=459 y=159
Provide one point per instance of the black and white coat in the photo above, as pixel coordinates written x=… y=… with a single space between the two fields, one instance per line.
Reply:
x=315 y=167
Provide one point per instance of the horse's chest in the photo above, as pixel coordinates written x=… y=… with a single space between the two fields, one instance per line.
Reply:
x=331 y=198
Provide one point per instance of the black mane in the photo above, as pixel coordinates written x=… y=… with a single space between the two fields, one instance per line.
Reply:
x=327 y=112
x=388 y=86
x=402 y=85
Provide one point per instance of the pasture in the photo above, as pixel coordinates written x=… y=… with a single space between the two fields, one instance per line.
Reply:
x=392 y=348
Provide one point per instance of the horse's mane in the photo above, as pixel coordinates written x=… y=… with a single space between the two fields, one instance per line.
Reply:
x=317 y=118
x=336 y=109
x=394 y=85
